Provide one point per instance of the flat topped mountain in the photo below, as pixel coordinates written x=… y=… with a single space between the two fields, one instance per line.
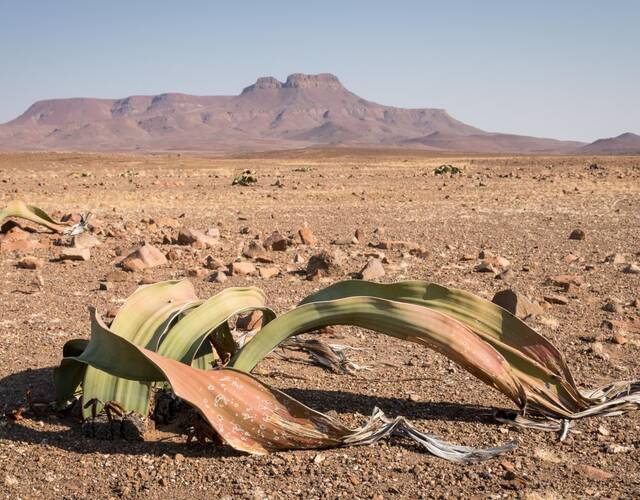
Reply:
x=304 y=110
x=626 y=143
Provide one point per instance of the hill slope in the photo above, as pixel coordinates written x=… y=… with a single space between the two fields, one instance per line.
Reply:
x=305 y=110
x=626 y=143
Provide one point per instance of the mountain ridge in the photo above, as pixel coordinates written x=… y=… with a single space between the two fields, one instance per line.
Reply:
x=303 y=111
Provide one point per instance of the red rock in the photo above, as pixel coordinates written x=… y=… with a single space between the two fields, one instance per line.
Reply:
x=398 y=245
x=196 y=239
x=619 y=338
x=570 y=258
x=253 y=250
x=631 y=269
x=593 y=472
x=556 y=299
x=564 y=280
x=345 y=241
x=218 y=277
x=307 y=237
x=618 y=258
x=485 y=267
x=82 y=254
x=242 y=268
x=73 y=218
x=517 y=304
x=85 y=240
x=325 y=264
x=268 y=272
x=144 y=257
x=211 y=262
x=173 y=254
x=197 y=273
x=276 y=241
x=250 y=322
x=372 y=270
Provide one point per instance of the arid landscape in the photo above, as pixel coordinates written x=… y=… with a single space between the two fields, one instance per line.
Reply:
x=305 y=110
x=561 y=232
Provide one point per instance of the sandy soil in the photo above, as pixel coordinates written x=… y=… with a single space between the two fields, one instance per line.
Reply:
x=522 y=208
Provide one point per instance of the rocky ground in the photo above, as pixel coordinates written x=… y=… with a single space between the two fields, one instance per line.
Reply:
x=519 y=212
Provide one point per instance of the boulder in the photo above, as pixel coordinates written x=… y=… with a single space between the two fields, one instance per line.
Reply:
x=82 y=254
x=144 y=257
x=325 y=264
x=242 y=268
x=249 y=322
x=196 y=239
x=253 y=250
x=556 y=299
x=577 y=234
x=268 y=272
x=631 y=269
x=372 y=270
x=307 y=237
x=517 y=304
x=85 y=240
x=218 y=277
x=275 y=241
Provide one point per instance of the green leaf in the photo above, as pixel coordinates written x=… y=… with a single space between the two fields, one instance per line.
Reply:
x=147 y=312
x=185 y=339
x=543 y=382
x=249 y=415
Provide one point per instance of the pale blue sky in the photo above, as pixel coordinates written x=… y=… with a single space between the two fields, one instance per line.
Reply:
x=565 y=69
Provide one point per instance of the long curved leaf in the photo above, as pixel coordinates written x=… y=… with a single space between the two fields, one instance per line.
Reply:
x=185 y=338
x=544 y=382
x=148 y=310
x=18 y=208
x=247 y=414
x=398 y=319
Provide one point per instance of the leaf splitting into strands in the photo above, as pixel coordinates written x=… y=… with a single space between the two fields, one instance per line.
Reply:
x=482 y=338
x=249 y=415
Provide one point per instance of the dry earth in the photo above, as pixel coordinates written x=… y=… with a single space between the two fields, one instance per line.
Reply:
x=522 y=208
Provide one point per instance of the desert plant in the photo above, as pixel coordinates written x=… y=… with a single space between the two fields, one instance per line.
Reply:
x=447 y=169
x=19 y=209
x=164 y=333
x=246 y=178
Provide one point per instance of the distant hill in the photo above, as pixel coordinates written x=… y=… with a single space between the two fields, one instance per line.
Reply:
x=303 y=111
x=626 y=143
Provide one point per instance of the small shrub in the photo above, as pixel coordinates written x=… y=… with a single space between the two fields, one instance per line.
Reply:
x=246 y=178
x=447 y=169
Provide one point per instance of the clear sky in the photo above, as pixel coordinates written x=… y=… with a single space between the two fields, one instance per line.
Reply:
x=565 y=69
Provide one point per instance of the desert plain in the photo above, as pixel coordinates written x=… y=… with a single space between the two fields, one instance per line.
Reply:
x=521 y=208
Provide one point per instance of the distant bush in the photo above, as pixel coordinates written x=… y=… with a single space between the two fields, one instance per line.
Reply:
x=447 y=169
x=246 y=178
